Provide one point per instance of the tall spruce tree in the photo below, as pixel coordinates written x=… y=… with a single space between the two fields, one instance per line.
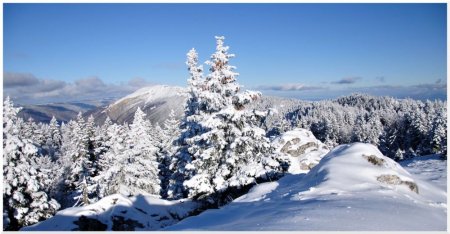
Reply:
x=228 y=149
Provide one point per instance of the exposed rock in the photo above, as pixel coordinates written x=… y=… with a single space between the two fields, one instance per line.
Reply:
x=301 y=148
x=122 y=224
x=307 y=166
x=395 y=180
x=374 y=160
x=89 y=224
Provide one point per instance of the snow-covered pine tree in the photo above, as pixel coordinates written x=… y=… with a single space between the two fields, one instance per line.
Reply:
x=193 y=115
x=109 y=179
x=438 y=134
x=24 y=199
x=142 y=169
x=195 y=83
x=130 y=165
x=167 y=149
x=102 y=143
x=77 y=162
x=229 y=149
x=53 y=138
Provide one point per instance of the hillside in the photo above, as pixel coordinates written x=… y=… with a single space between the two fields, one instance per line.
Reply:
x=353 y=184
x=156 y=101
x=63 y=112
x=354 y=187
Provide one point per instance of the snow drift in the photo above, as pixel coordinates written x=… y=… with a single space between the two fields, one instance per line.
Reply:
x=354 y=187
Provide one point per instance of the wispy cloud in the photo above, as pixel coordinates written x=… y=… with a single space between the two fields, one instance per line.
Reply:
x=26 y=88
x=423 y=91
x=420 y=91
x=348 y=80
x=18 y=79
x=380 y=79
x=288 y=87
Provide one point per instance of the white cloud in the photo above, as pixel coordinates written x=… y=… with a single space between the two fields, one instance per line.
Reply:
x=288 y=87
x=348 y=80
x=26 y=88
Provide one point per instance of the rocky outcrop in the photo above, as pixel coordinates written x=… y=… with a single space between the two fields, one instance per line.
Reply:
x=301 y=147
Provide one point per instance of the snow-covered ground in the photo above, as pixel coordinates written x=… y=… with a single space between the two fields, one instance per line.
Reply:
x=429 y=168
x=117 y=212
x=354 y=187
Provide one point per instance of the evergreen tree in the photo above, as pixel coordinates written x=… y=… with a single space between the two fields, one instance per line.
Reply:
x=76 y=159
x=53 y=138
x=190 y=127
x=109 y=180
x=228 y=150
x=129 y=166
x=167 y=149
x=142 y=169
x=438 y=134
x=24 y=200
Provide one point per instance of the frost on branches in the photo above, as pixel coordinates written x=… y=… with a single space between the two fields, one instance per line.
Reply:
x=222 y=146
x=24 y=199
x=78 y=161
x=129 y=166
x=142 y=166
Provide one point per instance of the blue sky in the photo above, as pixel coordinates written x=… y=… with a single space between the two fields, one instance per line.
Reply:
x=310 y=51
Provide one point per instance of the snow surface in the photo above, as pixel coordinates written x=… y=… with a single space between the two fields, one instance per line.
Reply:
x=429 y=168
x=341 y=193
x=153 y=213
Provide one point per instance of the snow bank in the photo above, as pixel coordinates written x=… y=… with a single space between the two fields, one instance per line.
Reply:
x=356 y=167
x=302 y=148
x=342 y=192
x=117 y=212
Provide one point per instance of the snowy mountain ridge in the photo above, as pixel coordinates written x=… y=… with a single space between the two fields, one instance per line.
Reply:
x=156 y=101
x=152 y=93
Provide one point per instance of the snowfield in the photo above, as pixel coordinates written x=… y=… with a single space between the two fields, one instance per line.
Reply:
x=354 y=187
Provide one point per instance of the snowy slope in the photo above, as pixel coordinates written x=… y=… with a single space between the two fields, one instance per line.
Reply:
x=429 y=168
x=151 y=93
x=156 y=101
x=354 y=187
x=342 y=192
x=302 y=148
x=117 y=212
